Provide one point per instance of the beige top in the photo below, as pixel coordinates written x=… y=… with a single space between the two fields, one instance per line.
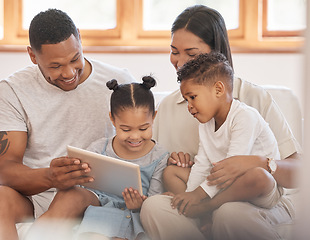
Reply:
x=177 y=130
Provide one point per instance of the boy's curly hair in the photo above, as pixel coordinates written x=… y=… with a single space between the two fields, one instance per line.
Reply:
x=207 y=68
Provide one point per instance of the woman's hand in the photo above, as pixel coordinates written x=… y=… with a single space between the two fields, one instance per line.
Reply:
x=180 y=159
x=226 y=171
x=133 y=199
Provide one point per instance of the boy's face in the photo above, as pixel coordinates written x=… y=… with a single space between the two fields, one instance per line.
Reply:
x=133 y=131
x=62 y=64
x=202 y=100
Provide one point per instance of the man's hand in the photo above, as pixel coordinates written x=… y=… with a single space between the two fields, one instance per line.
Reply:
x=133 y=199
x=180 y=159
x=65 y=172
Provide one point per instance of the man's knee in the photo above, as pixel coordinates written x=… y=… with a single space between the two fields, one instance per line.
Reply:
x=14 y=205
x=73 y=201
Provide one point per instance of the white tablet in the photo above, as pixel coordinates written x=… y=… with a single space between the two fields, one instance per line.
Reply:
x=110 y=175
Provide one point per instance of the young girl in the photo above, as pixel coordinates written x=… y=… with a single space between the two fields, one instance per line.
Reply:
x=132 y=114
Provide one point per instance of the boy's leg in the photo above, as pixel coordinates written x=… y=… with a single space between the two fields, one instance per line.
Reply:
x=14 y=208
x=175 y=178
x=65 y=211
x=256 y=182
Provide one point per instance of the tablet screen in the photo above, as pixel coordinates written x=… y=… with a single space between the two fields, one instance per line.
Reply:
x=110 y=175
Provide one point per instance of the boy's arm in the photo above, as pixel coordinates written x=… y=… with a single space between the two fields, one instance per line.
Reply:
x=199 y=171
x=246 y=127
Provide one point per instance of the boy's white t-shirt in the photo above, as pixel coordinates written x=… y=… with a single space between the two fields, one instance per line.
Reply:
x=244 y=132
x=177 y=130
x=54 y=118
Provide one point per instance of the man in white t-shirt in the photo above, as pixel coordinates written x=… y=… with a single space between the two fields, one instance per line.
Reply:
x=61 y=100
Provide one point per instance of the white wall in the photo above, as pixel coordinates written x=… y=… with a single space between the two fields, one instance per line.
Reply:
x=261 y=69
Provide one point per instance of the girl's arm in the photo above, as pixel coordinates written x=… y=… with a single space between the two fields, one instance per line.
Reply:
x=156 y=182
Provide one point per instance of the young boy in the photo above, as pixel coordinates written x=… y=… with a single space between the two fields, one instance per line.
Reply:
x=227 y=128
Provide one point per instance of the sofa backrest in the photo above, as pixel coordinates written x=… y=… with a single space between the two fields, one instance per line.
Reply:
x=286 y=100
x=290 y=107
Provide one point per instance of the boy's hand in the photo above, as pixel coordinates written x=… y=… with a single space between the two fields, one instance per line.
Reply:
x=186 y=200
x=180 y=159
x=133 y=199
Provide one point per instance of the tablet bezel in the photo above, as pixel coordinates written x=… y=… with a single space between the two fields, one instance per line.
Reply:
x=111 y=175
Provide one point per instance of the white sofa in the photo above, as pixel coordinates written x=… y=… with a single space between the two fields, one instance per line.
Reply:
x=291 y=109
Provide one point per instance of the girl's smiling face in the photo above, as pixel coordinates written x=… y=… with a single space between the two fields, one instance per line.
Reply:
x=133 y=132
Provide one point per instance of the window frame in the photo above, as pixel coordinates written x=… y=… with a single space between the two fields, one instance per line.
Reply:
x=129 y=36
x=268 y=33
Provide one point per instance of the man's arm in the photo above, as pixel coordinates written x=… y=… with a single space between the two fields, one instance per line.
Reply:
x=63 y=172
x=12 y=171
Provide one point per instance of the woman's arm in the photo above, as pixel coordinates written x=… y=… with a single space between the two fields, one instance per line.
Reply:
x=287 y=171
x=225 y=172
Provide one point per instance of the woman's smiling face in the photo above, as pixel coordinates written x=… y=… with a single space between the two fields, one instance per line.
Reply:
x=185 y=46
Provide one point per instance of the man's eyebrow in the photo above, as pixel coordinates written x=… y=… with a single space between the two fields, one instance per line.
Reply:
x=57 y=63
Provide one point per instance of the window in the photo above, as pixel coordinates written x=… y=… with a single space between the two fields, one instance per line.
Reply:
x=144 y=25
x=284 y=17
x=1 y=19
x=159 y=14
x=90 y=14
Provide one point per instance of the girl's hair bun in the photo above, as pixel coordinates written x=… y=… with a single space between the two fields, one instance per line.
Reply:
x=112 y=84
x=148 y=82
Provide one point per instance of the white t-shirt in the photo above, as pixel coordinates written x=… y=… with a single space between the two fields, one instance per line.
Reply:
x=177 y=130
x=244 y=132
x=54 y=118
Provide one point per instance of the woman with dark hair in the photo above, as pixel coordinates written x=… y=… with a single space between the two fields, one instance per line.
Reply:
x=200 y=29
